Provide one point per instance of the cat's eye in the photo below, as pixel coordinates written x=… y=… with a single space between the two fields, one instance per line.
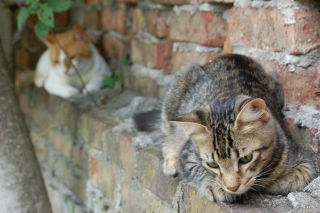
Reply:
x=213 y=164
x=245 y=159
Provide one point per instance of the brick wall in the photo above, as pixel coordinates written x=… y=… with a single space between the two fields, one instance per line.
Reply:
x=162 y=35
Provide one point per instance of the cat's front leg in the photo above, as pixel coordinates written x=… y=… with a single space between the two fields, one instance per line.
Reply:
x=214 y=192
x=94 y=84
x=62 y=90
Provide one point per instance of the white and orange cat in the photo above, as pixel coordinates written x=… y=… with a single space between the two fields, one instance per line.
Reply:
x=55 y=72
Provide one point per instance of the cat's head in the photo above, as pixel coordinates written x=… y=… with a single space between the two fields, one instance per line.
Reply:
x=76 y=45
x=236 y=146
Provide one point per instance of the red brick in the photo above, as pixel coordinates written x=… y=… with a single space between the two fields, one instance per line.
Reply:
x=114 y=20
x=128 y=1
x=94 y=1
x=30 y=40
x=154 y=55
x=191 y=1
x=157 y=22
x=299 y=87
x=180 y=58
x=267 y=30
x=205 y=28
x=61 y=19
x=138 y=20
x=115 y=47
x=91 y=19
x=141 y=84
x=171 y=2
x=102 y=176
x=26 y=59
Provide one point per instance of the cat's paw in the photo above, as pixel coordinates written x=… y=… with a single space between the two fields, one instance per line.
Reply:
x=215 y=193
x=169 y=167
x=70 y=91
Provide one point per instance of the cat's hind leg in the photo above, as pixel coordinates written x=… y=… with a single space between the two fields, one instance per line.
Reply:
x=294 y=179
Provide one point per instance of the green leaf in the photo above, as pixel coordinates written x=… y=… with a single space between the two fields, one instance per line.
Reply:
x=45 y=15
x=60 y=5
x=126 y=60
x=109 y=82
x=118 y=75
x=32 y=1
x=23 y=15
x=41 y=30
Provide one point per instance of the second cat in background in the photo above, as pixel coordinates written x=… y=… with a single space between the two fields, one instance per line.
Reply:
x=55 y=72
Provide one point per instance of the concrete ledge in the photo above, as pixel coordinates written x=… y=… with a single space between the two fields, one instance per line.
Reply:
x=95 y=161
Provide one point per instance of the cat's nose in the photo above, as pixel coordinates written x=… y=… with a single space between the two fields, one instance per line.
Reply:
x=233 y=189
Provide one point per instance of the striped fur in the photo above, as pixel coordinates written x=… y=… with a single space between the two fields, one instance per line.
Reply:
x=225 y=133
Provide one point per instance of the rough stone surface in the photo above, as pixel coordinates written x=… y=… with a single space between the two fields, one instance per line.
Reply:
x=205 y=28
x=274 y=34
x=154 y=55
x=115 y=47
x=114 y=19
x=106 y=166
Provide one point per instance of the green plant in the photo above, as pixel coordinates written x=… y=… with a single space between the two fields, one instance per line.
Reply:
x=118 y=75
x=44 y=12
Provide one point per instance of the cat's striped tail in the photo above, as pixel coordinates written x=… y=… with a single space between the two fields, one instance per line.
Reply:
x=148 y=121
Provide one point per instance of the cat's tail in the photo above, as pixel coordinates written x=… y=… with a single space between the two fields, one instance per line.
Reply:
x=148 y=121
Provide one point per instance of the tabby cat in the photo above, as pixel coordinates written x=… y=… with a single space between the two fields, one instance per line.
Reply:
x=225 y=132
x=55 y=71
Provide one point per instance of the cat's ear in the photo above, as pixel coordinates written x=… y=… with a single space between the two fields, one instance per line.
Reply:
x=196 y=125
x=253 y=115
x=80 y=33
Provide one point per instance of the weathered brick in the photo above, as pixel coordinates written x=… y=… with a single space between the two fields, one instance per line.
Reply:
x=91 y=19
x=298 y=86
x=132 y=198
x=157 y=22
x=128 y=1
x=115 y=47
x=61 y=19
x=142 y=84
x=191 y=1
x=114 y=20
x=26 y=59
x=205 y=28
x=137 y=20
x=149 y=172
x=70 y=175
x=119 y=150
x=180 y=58
x=91 y=131
x=103 y=177
x=62 y=142
x=94 y=1
x=171 y=2
x=192 y=201
x=267 y=30
x=154 y=55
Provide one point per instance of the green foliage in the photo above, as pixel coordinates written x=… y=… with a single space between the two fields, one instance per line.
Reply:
x=118 y=75
x=111 y=81
x=45 y=13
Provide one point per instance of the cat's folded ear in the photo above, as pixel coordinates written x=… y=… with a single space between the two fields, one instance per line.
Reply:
x=197 y=126
x=80 y=33
x=252 y=115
